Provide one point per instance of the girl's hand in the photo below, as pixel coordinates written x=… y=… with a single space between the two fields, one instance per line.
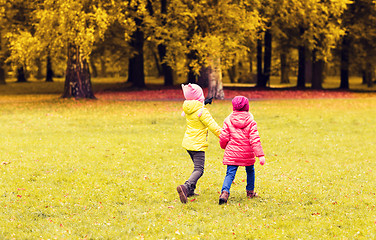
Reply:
x=262 y=160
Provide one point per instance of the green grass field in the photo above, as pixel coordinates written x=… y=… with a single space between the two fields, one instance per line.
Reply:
x=109 y=170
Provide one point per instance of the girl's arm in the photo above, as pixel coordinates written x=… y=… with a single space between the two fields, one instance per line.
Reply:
x=224 y=138
x=255 y=141
x=210 y=123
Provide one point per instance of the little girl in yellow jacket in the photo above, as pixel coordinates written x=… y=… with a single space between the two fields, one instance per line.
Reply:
x=195 y=141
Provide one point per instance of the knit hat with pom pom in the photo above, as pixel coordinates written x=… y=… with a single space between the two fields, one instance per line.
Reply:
x=240 y=103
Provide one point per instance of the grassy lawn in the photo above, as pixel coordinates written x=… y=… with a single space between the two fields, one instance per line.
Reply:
x=109 y=170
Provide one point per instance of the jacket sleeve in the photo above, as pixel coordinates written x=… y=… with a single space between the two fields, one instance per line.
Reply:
x=224 y=138
x=210 y=123
x=255 y=141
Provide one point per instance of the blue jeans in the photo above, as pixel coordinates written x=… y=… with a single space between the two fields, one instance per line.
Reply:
x=230 y=176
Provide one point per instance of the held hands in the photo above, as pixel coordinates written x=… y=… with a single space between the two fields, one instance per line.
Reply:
x=262 y=160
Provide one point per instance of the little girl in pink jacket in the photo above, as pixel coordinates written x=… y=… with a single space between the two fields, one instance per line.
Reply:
x=241 y=141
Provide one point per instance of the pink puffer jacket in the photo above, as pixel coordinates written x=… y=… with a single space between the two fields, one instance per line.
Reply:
x=240 y=139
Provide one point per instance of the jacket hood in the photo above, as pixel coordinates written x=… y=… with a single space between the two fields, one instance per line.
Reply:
x=191 y=106
x=241 y=119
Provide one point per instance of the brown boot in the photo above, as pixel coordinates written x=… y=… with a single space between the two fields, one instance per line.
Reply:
x=251 y=194
x=223 y=198
x=183 y=192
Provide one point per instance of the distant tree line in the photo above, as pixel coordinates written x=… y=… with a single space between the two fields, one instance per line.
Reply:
x=198 y=39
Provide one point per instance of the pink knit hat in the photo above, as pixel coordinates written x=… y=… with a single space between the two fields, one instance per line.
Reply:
x=240 y=103
x=193 y=91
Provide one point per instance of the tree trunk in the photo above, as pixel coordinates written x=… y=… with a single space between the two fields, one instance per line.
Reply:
x=267 y=58
x=2 y=64
x=77 y=79
x=2 y=70
x=191 y=74
x=369 y=69
x=317 y=71
x=369 y=74
x=94 y=70
x=302 y=62
x=285 y=68
x=157 y=63
x=203 y=79
x=345 y=62
x=259 y=61
x=166 y=69
x=2 y=73
x=215 y=80
x=103 y=72
x=250 y=63
x=367 y=77
x=308 y=67
x=364 y=77
x=21 y=76
x=136 y=73
x=49 y=71
x=39 y=74
x=232 y=74
x=301 y=69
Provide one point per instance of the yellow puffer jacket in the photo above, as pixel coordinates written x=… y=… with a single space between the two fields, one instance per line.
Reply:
x=196 y=134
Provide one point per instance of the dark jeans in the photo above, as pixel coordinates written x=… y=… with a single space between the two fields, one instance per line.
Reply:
x=198 y=158
x=230 y=176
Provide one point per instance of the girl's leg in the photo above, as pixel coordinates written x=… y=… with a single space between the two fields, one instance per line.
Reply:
x=198 y=158
x=250 y=177
x=230 y=176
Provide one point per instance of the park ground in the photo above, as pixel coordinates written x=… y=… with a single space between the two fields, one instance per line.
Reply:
x=109 y=168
